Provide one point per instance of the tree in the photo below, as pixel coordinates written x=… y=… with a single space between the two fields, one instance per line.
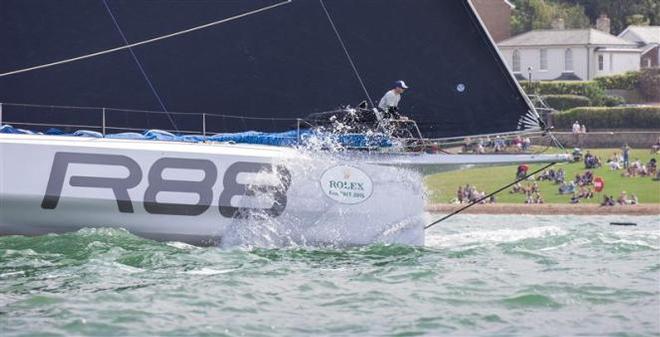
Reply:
x=539 y=14
x=621 y=12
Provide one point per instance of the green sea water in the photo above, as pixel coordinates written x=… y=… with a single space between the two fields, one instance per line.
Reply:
x=476 y=276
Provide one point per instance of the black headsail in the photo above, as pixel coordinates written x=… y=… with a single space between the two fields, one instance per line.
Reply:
x=285 y=62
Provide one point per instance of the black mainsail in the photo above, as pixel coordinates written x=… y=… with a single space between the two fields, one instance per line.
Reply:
x=299 y=58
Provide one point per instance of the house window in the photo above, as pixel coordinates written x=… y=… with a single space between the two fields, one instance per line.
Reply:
x=601 y=62
x=611 y=62
x=543 y=59
x=568 y=60
x=515 y=64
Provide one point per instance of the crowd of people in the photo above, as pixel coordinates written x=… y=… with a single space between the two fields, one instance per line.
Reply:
x=591 y=161
x=624 y=199
x=583 y=186
x=531 y=191
x=469 y=193
x=497 y=144
x=556 y=177
x=582 y=193
x=635 y=168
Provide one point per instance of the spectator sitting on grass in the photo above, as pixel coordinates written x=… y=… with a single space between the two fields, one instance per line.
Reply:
x=586 y=179
x=636 y=168
x=652 y=167
x=567 y=188
x=616 y=157
x=622 y=198
x=470 y=194
x=517 y=188
x=607 y=200
x=614 y=165
x=534 y=187
x=634 y=200
x=574 y=199
x=559 y=176
x=625 y=200
x=548 y=175
x=629 y=172
x=522 y=171
x=538 y=198
x=585 y=193
x=655 y=148
x=591 y=161
x=615 y=162
x=577 y=154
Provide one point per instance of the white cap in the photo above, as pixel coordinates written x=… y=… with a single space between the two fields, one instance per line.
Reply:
x=400 y=84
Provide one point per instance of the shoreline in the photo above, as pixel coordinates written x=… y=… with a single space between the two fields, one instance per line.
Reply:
x=548 y=209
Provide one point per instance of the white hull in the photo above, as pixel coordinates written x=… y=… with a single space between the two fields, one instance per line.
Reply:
x=227 y=194
x=39 y=196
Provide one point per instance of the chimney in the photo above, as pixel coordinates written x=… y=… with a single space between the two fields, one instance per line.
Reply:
x=558 y=24
x=603 y=23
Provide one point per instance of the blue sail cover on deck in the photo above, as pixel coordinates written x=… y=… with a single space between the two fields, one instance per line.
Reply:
x=282 y=63
x=288 y=138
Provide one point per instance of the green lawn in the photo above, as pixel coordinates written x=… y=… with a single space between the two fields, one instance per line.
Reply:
x=443 y=186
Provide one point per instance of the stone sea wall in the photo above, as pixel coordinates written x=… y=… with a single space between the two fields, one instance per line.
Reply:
x=605 y=139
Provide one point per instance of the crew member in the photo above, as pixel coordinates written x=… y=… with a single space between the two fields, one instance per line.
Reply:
x=389 y=104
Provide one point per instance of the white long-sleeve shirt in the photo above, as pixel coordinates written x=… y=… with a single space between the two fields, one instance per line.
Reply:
x=390 y=99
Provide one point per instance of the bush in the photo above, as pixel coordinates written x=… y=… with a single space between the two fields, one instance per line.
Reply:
x=589 y=89
x=610 y=118
x=649 y=83
x=611 y=101
x=566 y=102
x=627 y=81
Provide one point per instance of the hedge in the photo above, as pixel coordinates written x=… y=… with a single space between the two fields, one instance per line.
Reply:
x=566 y=102
x=590 y=89
x=610 y=118
x=626 y=81
x=649 y=83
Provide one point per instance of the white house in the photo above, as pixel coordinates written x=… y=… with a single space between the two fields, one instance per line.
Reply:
x=560 y=54
x=647 y=39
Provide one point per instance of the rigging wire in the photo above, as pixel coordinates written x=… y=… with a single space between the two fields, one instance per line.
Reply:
x=144 y=42
x=486 y=197
x=348 y=55
x=137 y=61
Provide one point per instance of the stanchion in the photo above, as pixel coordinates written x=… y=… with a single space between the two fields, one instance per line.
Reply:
x=103 y=121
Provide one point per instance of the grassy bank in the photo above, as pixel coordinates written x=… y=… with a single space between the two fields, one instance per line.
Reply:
x=442 y=187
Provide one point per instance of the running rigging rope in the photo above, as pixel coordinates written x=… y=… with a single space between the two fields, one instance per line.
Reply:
x=485 y=197
x=159 y=38
x=137 y=61
x=348 y=55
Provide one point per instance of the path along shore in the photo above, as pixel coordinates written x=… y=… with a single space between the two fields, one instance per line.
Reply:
x=558 y=209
